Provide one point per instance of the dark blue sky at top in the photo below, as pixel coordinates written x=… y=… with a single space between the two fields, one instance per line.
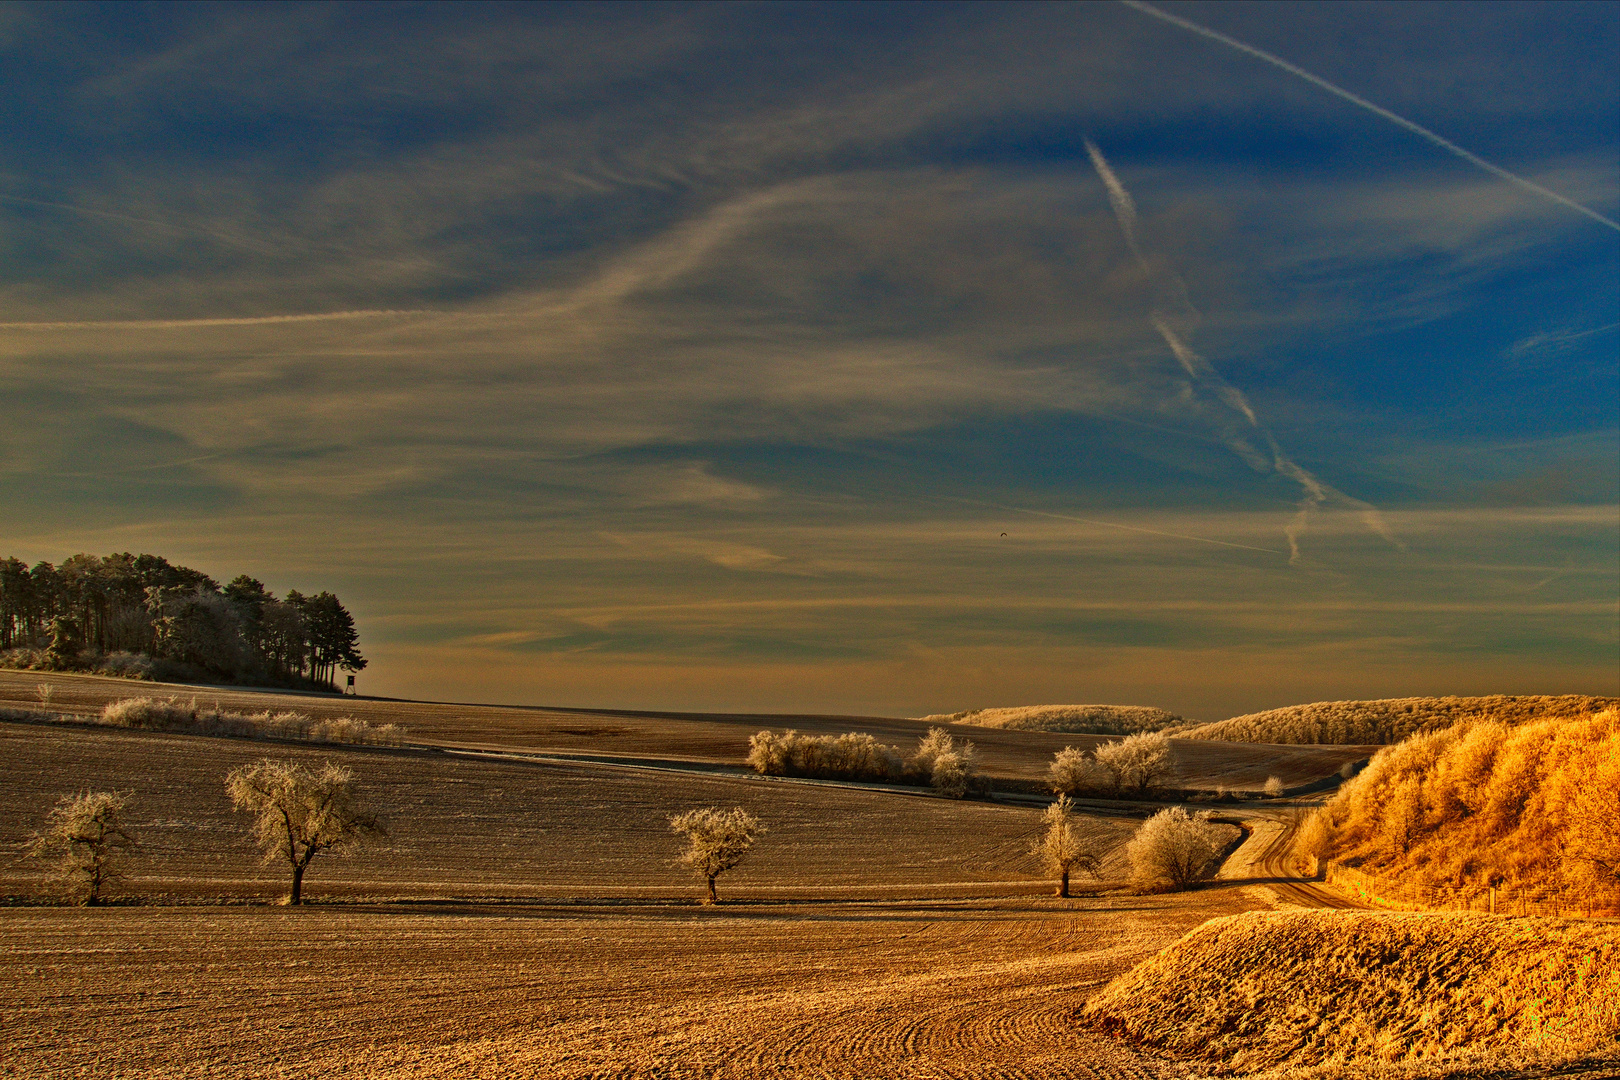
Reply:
x=691 y=276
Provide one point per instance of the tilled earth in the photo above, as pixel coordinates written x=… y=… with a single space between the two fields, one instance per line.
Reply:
x=720 y=738
x=462 y=827
x=982 y=988
x=524 y=919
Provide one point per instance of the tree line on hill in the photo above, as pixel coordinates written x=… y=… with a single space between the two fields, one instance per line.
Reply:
x=140 y=614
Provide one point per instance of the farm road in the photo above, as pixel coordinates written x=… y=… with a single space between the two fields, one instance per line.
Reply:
x=1263 y=861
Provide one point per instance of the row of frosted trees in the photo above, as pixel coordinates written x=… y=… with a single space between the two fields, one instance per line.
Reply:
x=101 y=606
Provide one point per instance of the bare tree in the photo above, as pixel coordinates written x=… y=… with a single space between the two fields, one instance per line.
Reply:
x=300 y=812
x=84 y=832
x=717 y=840
x=1060 y=848
x=1173 y=846
x=1073 y=772
x=1138 y=762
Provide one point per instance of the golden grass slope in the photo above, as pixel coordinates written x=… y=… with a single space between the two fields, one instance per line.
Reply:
x=1388 y=720
x=1266 y=989
x=1076 y=719
x=1533 y=807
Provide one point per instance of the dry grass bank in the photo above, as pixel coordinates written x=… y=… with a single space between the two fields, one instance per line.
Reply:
x=1076 y=719
x=1388 y=720
x=1532 y=808
x=1264 y=990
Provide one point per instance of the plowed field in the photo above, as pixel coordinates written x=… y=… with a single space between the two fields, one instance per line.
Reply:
x=969 y=990
x=469 y=826
x=720 y=738
x=523 y=920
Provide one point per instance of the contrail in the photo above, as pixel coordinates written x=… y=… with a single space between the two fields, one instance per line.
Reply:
x=1394 y=118
x=1120 y=199
x=1315 y=492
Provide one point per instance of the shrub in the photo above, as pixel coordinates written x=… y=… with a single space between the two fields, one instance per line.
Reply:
x=1274 y=788
x=850 y=756
x=1075 y=773
x=716 y=839
x=1173 y=847
x=151 y=714
x=1312 y=842
x=940 y=760
x=84 y=832
x=1138 y=763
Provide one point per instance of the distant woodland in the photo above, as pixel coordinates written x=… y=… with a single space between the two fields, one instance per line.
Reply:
x=143 y=617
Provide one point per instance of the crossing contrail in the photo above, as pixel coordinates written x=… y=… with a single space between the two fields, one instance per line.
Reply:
x=1394 y=118
x=1314 y=491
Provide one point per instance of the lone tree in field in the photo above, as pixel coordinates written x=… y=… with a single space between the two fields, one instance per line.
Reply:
x=717 y=840
x=1173 y=846
x=85 y=832
x=301 y=812
x=1060 y=849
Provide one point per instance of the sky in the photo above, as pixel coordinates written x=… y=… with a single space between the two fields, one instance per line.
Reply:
x=851 y=358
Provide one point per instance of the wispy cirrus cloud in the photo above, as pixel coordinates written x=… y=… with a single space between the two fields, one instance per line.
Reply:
x=662 y=336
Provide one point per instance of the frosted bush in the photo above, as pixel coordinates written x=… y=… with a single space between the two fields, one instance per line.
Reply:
x=1173 y=847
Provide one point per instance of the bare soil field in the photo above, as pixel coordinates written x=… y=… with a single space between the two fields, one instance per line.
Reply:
x=720 y=738
x=524 y=920
x=468 y=826
x=981 y=989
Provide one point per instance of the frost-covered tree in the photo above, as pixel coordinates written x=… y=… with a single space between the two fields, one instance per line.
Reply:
x=1139 y=763
x=716 y=839
x=84 y=834
x=947 y=763
x=1074 y=772
x=300 y=812
x=1061 y=848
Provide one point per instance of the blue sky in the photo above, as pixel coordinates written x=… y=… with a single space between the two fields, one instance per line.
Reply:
x=699 y=356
